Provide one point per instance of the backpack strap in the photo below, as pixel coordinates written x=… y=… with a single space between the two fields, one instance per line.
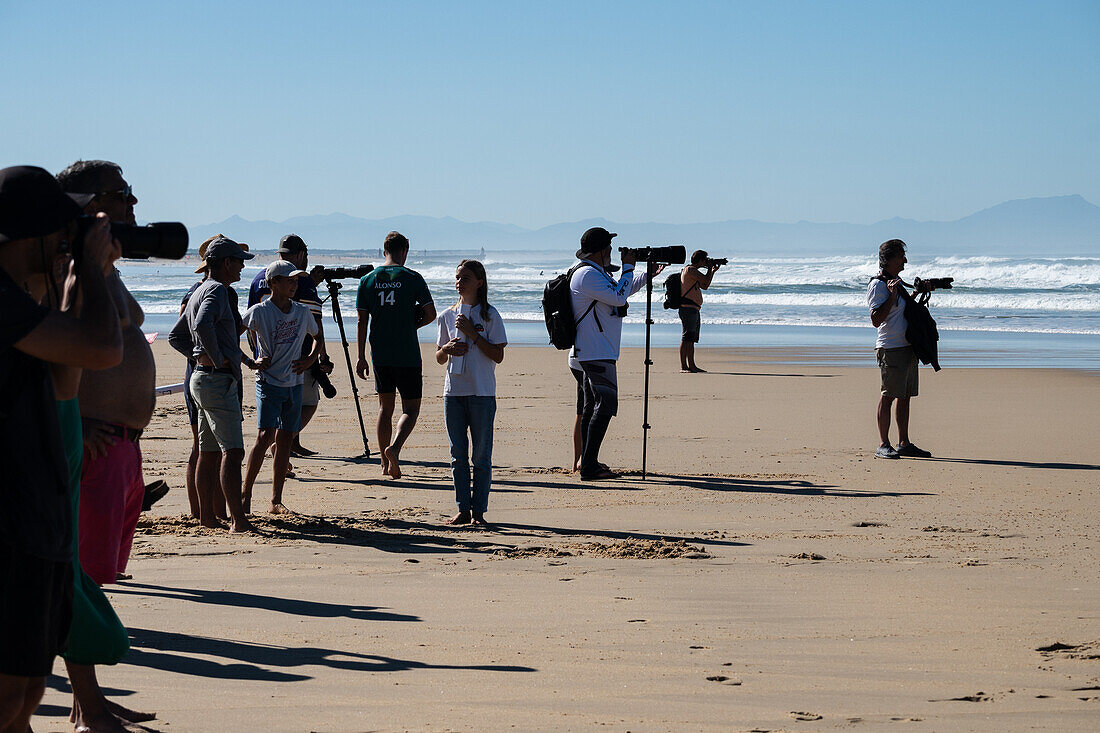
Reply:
x=591 y=305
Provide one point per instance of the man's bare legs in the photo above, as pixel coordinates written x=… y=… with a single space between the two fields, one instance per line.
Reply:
x=264 y=440
x=192 y=467
x=410 y=411
x=308 y=411
x=283 y=439
x=901 y=416
x=207 y=481
x=92 y=711
x=231 y=487
x=578 y=443
x=687 y=357
x=19 y=698
x=385 y=427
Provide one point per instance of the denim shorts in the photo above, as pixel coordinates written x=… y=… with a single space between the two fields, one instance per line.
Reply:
x=278 y=407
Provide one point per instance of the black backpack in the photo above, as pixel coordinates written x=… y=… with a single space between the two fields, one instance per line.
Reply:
x=672 y=291
x=557 y=310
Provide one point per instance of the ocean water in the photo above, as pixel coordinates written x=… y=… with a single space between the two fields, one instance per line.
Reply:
x=1003 y=311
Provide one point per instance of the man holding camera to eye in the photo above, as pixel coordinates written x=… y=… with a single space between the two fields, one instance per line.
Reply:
x=599 y=306
x=896 y=358
x=292 y=249
x=37 y=225
x=115 y=404
x=692 y=282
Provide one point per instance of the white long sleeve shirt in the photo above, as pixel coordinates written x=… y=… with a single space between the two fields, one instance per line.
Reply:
x=599 y=331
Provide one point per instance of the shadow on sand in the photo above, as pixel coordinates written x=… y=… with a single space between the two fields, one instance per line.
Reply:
x=236 y=599
x=1019 y=464
x=170 y=651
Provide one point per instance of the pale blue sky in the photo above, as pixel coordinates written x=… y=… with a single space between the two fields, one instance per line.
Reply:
x=536 y=113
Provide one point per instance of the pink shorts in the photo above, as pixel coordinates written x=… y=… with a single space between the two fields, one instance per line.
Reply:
x=111 y=493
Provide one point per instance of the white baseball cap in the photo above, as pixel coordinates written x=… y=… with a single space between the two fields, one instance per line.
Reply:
x=282 y=268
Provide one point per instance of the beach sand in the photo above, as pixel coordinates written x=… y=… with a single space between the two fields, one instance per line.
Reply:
x=769 y=575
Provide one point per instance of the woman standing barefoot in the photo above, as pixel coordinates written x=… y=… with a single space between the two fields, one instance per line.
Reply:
x=470 y=343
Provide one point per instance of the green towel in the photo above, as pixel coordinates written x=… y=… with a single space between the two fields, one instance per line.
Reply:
x=96 y=635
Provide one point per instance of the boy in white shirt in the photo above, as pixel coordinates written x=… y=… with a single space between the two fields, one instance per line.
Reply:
x=280 y=327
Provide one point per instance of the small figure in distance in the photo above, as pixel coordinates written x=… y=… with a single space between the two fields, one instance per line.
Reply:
x=692 y=282
x=896 y=359
x=393 y=302
x=279 y=328
x=470 y=342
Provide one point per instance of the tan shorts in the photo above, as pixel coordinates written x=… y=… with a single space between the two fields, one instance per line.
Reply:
x=899 y=371
x=311 y=391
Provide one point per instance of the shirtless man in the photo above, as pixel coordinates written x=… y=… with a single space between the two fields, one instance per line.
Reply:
x=115 y=404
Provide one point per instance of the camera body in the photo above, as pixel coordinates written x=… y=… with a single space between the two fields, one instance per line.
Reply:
x=346 y=273
x=318 y=373
x=932 y=283
x=674 y=254
x=715 y=261
x=165 y=240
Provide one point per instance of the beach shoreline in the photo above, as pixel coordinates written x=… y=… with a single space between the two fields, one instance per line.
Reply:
x=769 y=574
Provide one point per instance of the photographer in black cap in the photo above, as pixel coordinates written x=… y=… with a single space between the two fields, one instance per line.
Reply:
x=37 y=226
x=599 y=305
x=293 y=250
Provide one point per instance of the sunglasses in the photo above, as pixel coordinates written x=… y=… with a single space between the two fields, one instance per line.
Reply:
x=124 y=193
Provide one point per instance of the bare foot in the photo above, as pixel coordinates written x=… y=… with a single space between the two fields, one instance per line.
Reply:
x=393 y=467
x=460 y=518
x=123 y=576
x=479 y=518
x=244 y=527
x=130 y=716
x=213 y=525
x=280 y=508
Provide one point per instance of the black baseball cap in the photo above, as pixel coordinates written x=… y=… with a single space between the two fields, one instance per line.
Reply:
x=32 y=203
x=594 y=240
x=291 y=244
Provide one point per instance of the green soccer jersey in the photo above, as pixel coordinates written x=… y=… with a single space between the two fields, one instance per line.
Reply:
x=390 y=294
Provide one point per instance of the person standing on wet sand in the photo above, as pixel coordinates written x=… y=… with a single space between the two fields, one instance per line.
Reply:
x=393 y=302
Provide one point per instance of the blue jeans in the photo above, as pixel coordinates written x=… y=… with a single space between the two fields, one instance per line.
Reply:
x=474 y=415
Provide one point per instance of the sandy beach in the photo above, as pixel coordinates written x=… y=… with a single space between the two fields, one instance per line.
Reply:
x=769 y=575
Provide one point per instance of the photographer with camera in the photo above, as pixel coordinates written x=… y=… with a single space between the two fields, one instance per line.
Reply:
x=115 y=404
x=292 y=249
x=692 y=284
x=599 y=306
x=887 y=298
x=279 y=328
x=38 y=223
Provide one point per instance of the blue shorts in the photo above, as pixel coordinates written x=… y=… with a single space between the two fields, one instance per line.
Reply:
x=279 y=407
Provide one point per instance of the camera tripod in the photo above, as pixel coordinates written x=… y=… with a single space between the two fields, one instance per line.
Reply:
x=648 y=362
x=334 y=289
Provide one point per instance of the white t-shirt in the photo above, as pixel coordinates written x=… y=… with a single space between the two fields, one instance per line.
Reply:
x=891 y=332
x=599 y=330
x=472 y=375
x=280 y=336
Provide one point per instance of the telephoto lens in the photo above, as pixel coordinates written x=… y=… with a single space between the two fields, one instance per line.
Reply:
x=166 y=240
x=673 y=254
x=346 y=273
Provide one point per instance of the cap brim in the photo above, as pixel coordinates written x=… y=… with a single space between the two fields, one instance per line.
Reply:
x=201 y=269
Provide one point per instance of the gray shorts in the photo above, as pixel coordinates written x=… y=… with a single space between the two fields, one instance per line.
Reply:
x=899 y=371
x=690 y=318
x=215 y=394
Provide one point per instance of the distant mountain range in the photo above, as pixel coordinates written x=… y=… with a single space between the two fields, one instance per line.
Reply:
x=1056 y=226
